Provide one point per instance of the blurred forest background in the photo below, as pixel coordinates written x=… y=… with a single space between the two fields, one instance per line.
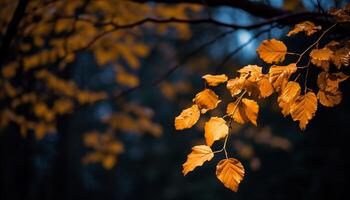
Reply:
x=90 y=90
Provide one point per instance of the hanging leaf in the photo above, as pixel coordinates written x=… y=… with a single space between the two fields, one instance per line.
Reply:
x=265 y=86
x=279 y=75
x=330 y=82
x=341 y=57
x=215 y=129
x=214 y=80
x=329 y=99
x=206 y=100
x=230 y=172
x=304 y=109
x=252 y=72
x=235 y=85
x=272 y=51
x=308 y=27
x=247 y=110
x=187 y=118
x=288 y=96
x=197 y=157
x=321 y=58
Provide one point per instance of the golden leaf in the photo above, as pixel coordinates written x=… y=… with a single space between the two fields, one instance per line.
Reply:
x=329 y=99
x=215 y=129
x=285 y=107
x=304 y=109
x=252 y=72
x=235 y=85
x=206 y=100
x=321 y=57
x=187 y=118
x=341 y=57
x=265 y=87
x=230 y=172
x=197 y=157
x=247 y=110
x=272 y=51
x=330 y=82
x=279 y=75
x=214 y=80
x=308 y=27
x=291 y=91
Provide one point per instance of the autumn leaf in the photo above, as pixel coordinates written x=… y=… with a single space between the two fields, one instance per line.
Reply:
x=308 y=27
x=272 y=51
x=187 y=118
x=321 y=58
x=330 y=82
x=279 y=75
x=265 y=87
x=290 y=92
x=329 y=98
x=206 y=100
x=215 y=129
x=247 y=110
x=235 y=85
x=197 y=157
x=304 y=109
x=214 y=80
x=252 y=72
x=230 y=172
x=341 y=57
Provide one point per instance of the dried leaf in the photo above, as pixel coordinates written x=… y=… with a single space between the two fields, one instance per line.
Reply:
x=265 y=87
x=235 y=86
x=215 y=129
x=341 y=57
x=321 y=57
x=197 y=157
x=252 y=72
x=187 y=118
x=290 y=92
x=214 y=80
x=272 y=51
x=304 y=109
x=247 y=110
x=206 y=100
x=329 y=99
x=308 y=27
x=330 y=82
x=230 y=172
x=279 y=75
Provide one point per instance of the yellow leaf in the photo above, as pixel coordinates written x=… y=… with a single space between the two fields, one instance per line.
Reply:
x=230 y=172
x=308 y=27
x=304 y=109
x=265 y=87
x=341 y=57
x=290 y=92
x=214 y=80
x=279 y=75
x=330 y=82
x=247 y=110
x=329 y=99
x=215 y=129
x=321 y=57
x=235 y=86
x=197 y=157
x=272 y=51
x=187 y=118
x=251 y=71
x=206 y=100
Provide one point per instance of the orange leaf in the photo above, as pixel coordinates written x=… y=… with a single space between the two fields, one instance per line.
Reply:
x=187 y=118
x=206 y=100
x=321 y=58
x=272 y=51
x=288 y=96
x=304 y=109
x=308 y=27
x=329 y=99
x=235 y=86
x=215 y=129
x=214 y=80
x=230 y=172
x=341 y=57
x=247 y=110
x=197 y=157
x=279 y=75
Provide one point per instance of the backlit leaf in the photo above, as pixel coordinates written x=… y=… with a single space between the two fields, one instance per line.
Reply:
x=206 y=100
x=272 y=51
x=187 y=118
x=235 y=85
x=214 y=80
x=215 y=129
x=329 y=99
x=308 y=27
x=247 y=110
x=197 y=157
x=279 y=75
x=304 y=109
x=230 y=172
x=321 y=58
